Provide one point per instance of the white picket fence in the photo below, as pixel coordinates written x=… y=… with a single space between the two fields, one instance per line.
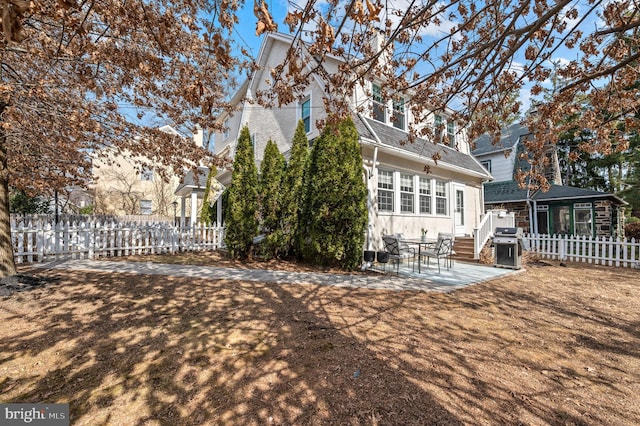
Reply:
x=38 y=242
x=610 y=251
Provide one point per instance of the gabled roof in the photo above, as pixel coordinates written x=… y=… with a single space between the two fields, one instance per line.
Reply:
x=510 y=192
x=509 y=136
x=192 y=182
x=397 y=139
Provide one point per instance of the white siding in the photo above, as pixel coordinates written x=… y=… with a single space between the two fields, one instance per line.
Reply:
x=501 y=167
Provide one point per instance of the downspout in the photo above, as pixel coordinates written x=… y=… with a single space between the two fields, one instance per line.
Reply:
x=529 y=209
x=535 y=217
x=371 y=173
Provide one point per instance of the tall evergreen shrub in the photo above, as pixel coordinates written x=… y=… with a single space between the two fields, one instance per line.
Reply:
x=242 y=215
x=335 y=204
x=271 y=176
x=293 y=189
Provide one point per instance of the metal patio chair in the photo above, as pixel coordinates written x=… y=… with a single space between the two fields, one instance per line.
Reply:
x=398 y=251
x=441 y=250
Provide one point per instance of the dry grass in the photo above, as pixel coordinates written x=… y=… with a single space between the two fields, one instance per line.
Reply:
x=552 y=345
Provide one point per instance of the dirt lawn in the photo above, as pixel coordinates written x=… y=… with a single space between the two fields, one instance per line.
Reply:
x=552 y=345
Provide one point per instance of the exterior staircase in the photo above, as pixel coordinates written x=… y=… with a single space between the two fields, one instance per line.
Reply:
x=463 y=247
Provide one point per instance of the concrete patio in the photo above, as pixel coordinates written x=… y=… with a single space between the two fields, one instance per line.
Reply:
x=375 y=278
x=459 y=275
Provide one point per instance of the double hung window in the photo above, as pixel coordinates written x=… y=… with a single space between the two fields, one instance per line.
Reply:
x=227 y=131
x=425 y=195
x=385 y=191
x=406 y=193
x=146 y=174
x=398 y=114
x=437 y=128
x=146 y=207
x=379 y=109
x=441 y=197
x=582 y=219
x=305 y=114
x=451 y=133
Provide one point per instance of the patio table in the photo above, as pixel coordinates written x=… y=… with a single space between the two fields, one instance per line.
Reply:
x=419 y=242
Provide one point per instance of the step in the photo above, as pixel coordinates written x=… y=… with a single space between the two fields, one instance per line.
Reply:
x=464 y=248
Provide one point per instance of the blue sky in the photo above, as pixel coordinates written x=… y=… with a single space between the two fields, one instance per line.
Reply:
x=245 y=32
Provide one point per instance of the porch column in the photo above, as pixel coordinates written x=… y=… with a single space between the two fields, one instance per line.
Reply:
x=183 y=210
x=219 y=211
x=194 y=208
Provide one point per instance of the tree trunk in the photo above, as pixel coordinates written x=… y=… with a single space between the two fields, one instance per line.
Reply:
x=7 y=262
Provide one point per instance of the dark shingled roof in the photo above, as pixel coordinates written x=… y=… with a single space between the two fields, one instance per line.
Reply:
x=509 y=191
x=508 y=137
x=396 y=138
x=563 y=192
x=503 y=192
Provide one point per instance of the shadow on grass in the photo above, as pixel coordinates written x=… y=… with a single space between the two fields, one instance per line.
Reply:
x=130 y=349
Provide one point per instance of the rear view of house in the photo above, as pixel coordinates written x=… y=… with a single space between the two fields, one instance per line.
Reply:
x=408 y=190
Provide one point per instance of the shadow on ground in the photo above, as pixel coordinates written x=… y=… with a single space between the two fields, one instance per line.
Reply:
x=133 y=349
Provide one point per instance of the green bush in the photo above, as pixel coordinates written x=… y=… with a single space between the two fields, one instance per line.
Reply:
x=632 y=219
x=242 y=214
x=271 y=177
x=335 y=203
x=293 y=191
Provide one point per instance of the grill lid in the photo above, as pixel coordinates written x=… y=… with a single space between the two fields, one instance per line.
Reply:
x=508 y=232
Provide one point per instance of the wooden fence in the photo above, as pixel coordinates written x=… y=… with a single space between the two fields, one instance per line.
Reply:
x=38 y=242
x=610 y=251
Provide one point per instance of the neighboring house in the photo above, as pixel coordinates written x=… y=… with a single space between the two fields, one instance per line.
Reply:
x=122 y=187
x=403 y=198
x=191 y=191
x=561 y=210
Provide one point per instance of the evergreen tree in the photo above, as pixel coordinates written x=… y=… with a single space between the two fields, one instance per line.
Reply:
x=23 y=203
x=242 y=215
x=271 y=176
x=293 y=189
x=631 y=191
x=335 y=207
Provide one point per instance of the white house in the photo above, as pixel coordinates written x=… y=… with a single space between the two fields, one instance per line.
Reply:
x=403 y=198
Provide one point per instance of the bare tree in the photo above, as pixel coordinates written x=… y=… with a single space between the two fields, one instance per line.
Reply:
x=70 y=70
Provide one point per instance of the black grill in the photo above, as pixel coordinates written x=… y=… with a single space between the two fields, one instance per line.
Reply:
x=508 y=247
